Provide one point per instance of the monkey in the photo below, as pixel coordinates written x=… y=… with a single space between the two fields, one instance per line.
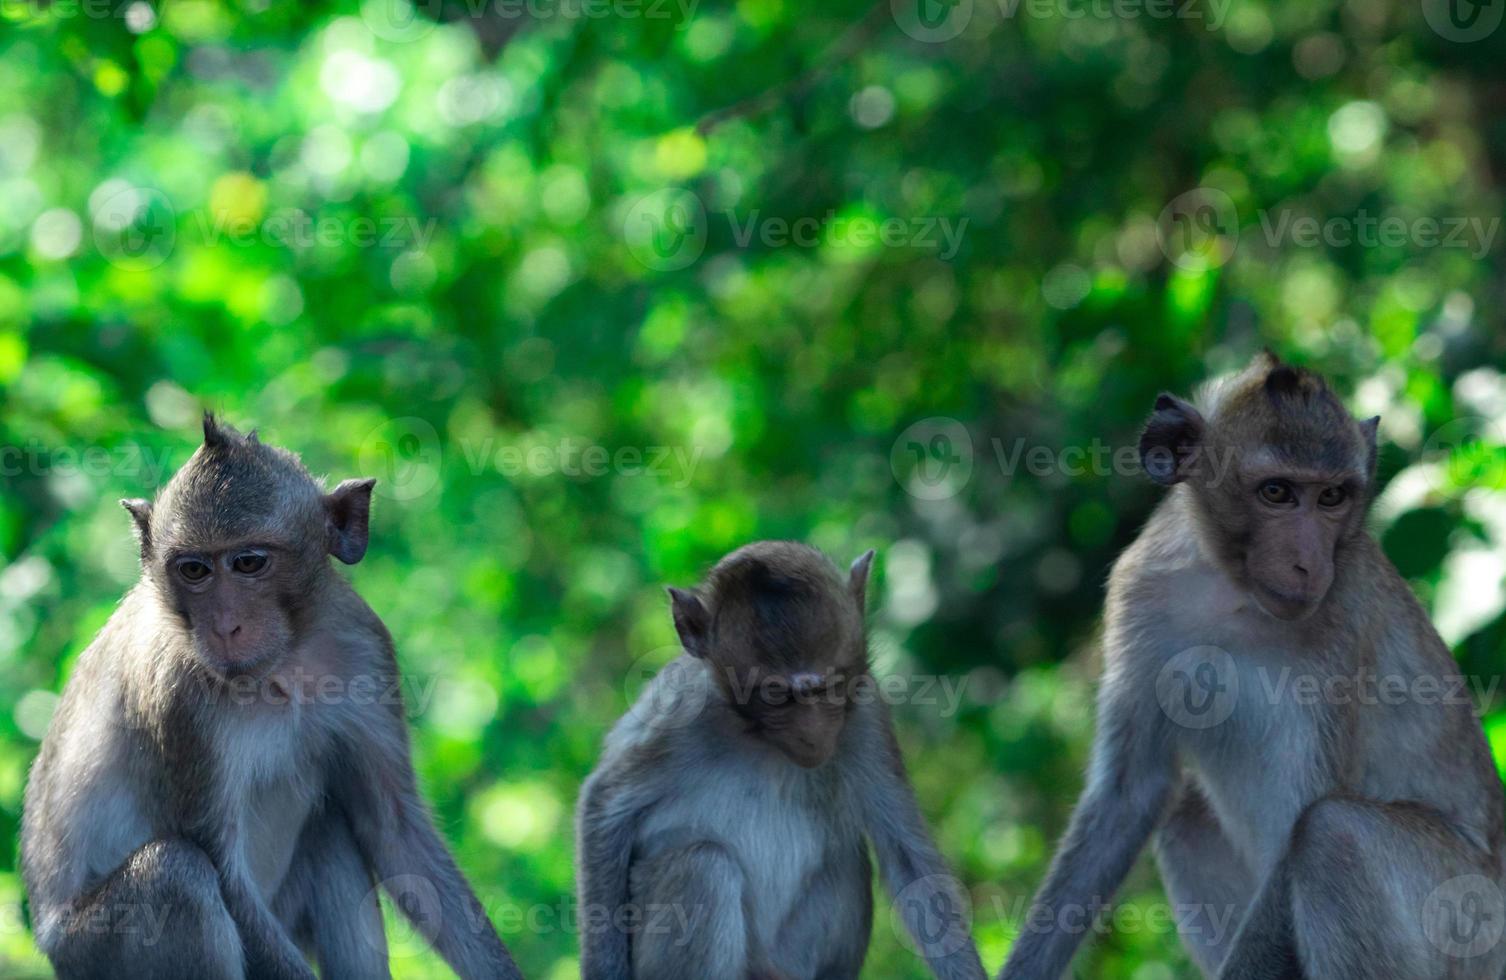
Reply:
x=725 y=832
x=227 y=777
x=1272 y=713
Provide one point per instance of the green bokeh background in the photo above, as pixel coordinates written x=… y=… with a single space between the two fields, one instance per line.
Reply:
x=453 y=247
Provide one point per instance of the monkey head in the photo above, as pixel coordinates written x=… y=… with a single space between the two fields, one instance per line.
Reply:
x=237 y=544
x=782 y=632
x=1280 y=477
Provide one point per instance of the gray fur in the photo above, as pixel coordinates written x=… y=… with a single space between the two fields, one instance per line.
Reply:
x=740 y=863
x=253 y=817
x=1324 y=823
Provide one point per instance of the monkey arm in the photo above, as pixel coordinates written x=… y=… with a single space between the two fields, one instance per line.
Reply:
x=930 y=900
x=606 y=825
x=270 y=952
x=396 y=836
x=1129 y=784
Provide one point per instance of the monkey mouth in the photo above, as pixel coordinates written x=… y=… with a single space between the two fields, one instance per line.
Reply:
x=1288 y=606
x=230 y=664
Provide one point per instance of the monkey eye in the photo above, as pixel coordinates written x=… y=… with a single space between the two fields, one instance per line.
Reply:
x=1276 y=492
x=1331 y=496
x=193 y=570
x=248 y=562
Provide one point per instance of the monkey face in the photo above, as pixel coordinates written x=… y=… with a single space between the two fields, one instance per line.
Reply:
x=238 y=544
x=1278 y=474
x=1298 y=522
x=236 y=603
x=800 y=714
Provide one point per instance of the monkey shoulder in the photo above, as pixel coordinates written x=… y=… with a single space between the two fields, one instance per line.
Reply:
x=668 y=717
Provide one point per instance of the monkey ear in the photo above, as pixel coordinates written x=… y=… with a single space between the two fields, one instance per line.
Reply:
x=692 y=621
x=347 y=514
x=141 y=514
x=857 y=578
x=1171 y=440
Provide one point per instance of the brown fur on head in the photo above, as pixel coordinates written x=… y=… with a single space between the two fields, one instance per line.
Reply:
x=782 y=631
x=239 y=539
x=1279 y=473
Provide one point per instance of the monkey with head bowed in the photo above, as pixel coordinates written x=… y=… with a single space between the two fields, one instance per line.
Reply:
x=1278 y=712
x=725 y=833
x=227 y=777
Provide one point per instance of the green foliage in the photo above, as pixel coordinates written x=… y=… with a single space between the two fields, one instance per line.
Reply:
x=918 y=299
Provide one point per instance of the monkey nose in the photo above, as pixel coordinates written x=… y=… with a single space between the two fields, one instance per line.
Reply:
x=1300 y=569
x=226 y=630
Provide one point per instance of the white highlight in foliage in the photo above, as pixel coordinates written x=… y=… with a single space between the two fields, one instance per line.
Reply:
x=1471 y=594
x=912 y=595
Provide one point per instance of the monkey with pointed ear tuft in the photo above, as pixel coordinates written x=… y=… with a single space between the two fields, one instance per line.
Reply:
x=211 y=760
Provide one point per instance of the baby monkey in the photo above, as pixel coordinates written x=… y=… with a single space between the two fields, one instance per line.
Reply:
x=725 y=833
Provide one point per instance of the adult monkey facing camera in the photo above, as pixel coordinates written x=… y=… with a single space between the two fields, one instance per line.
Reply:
x=729 y=819
x=227 y=758
x=1352 y=835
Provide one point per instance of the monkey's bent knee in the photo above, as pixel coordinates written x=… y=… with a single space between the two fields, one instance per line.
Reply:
x=160 y=914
